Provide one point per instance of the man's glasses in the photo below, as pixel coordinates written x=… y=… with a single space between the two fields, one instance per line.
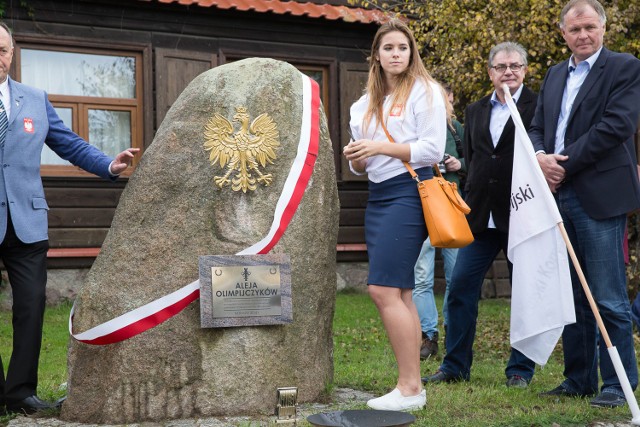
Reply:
x=501 y=68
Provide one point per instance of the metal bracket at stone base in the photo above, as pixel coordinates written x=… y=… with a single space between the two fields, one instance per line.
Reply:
x=287 y=405
x=245 y=290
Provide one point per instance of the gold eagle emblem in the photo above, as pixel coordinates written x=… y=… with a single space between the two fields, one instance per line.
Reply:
x=244 y=151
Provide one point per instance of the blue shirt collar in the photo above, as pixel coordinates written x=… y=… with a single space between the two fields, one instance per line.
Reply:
x=590 y=60
x=495 y=101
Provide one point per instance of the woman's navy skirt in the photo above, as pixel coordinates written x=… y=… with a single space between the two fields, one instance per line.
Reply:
x=394 y=230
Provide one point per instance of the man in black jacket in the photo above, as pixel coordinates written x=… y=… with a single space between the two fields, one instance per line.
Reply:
x=488 y=148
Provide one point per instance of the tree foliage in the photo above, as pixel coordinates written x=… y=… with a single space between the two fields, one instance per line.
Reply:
x=455 y=36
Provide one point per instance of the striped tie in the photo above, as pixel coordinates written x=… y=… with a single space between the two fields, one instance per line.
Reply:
x=4 y=123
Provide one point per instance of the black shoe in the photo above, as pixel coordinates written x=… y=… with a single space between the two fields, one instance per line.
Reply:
x=31 y=405
x=516 y=381
x=608 y=400
x=60 y=401
x=439 y=377
x=561 y=390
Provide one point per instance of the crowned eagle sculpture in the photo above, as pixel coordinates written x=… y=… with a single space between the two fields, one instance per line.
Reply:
x=244 y=151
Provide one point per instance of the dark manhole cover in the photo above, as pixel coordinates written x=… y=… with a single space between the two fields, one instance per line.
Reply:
x=361 y=418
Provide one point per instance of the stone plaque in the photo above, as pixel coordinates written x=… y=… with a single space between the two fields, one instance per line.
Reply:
x=245 y=290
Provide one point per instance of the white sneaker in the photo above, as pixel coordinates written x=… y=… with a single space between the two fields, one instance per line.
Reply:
x=395 y=401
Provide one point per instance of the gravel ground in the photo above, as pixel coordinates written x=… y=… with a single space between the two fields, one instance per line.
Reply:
x=344 y=399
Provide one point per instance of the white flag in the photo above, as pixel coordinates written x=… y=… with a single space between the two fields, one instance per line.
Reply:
x=541 y=296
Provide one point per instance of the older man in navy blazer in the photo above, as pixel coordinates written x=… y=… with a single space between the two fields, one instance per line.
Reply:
x=583 y=129
x=27 y=121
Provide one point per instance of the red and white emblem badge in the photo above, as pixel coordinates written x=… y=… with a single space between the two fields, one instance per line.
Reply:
x=396 y=110
x=28 y=125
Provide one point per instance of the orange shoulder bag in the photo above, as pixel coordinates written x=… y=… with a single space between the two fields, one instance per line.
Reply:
x=443 y=208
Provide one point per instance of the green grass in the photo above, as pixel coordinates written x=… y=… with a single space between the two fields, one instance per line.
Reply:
x=52 y=375
x=364 y=361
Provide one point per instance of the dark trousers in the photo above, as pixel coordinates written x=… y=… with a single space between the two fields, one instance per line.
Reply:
x=26 y=266
x=598 y=245
x=472 y=264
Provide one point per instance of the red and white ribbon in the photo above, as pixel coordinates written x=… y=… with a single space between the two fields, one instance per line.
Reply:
x=152 y=314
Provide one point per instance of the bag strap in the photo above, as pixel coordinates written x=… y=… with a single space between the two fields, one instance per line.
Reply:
x=412 y=172
x=457 y=140
x=454 y=196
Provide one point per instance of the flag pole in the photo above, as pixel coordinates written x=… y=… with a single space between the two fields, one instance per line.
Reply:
x=585 y=286
x=613 y=351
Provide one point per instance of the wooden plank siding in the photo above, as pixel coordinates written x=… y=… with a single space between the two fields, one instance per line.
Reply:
x=353 y=202
x=176 y=44
x=80 y=214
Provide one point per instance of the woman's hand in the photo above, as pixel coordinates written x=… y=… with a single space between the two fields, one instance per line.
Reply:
x=361 y=150
x=357 y=152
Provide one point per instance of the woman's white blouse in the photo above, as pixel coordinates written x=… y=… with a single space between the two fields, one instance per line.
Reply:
x=422 y=125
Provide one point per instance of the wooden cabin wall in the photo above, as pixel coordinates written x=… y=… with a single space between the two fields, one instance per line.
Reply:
x=177 y=44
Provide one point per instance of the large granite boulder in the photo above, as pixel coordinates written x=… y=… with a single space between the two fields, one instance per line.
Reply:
x=172 y=212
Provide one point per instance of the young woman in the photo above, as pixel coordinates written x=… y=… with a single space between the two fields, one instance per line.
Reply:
x=401 y=94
